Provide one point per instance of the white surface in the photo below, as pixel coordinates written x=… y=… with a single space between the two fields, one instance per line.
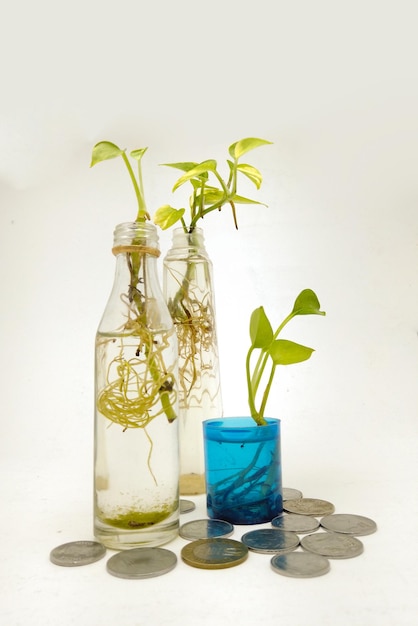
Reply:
x=333 y=85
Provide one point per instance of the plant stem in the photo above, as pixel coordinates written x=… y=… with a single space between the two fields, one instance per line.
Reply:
x=254 y=381
x=142 y=214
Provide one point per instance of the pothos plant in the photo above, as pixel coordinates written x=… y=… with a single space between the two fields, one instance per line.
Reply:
x=268 y=351
x=139 y=386
x=193 y=316
x=208 y=196
x=189 y=298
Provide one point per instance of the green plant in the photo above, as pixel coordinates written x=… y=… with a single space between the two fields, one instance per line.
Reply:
x=190 y=302
x=105 y=150
x=205 y=197
x=273 y=351
x=138 y=386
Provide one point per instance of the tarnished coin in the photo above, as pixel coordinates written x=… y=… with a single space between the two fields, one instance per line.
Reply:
x=296 y=523
x=214 y=553
x=186 y=506
x=349 y=524
x=77 y=553
x=270 y=540
x=291 y=494
x=205 y=528
x=300 y=564
x=309 y=506
x=141 y=563
x=332 y=545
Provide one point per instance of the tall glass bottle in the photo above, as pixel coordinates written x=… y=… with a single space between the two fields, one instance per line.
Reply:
x=188 y=291
x=136 y=461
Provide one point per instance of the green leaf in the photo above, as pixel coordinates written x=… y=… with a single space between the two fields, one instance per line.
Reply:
x=236 y=150
x=241 y=200
x=197 y=182
x=284 y=352
x=103 y=151
x=138 y=154
x=307 y=303
x=261 y=332
x=252 y=173
x=185 y=167
x=166 y=216
x=201 y=168
x=211 y=195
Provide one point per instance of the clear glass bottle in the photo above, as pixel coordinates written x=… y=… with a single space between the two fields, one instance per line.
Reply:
x=136 y=460
x=188 y=291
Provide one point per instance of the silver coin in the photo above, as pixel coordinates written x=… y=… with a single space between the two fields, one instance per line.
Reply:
x=332 y=545
x=270 y=540
x=186 y=506
x=300 y=564
x=205 y=529
x=295 y=523
x=141 y=563
x=309 y=506
x=77 y=553
x=349 y=524
x=291 y=494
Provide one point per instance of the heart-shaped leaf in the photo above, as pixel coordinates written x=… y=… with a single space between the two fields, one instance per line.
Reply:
x=261 y=332
x=252 y=173
x=138 y=154
x=103 y=151
x=307 y=303
x=238 y=149
x=202 y=168
x=284 y=352
x=166 y=216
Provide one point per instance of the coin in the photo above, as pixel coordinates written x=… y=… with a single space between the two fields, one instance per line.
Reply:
x=309 y=506
x=349 y=524
x=186 y=506
x=296 y=523
x=205 y=528
x=300 y=564
x=332 y=545
x=214 y=553
x=291 y=494
x=269 y=540
x=77 y=553
x=141 y=563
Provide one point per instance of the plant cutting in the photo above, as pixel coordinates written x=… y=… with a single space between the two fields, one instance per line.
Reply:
x=243 y=459
x=188 y=288
x=136 y=390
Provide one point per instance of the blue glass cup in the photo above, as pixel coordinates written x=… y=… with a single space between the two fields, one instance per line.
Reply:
x=243 y=470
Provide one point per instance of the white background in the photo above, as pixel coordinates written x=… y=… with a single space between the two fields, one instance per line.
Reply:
x=333 y=85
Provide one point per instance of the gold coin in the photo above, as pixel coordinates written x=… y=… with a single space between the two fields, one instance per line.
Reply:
x=214 y=553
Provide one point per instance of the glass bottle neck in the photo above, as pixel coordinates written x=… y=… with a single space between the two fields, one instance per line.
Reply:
x=189 y=243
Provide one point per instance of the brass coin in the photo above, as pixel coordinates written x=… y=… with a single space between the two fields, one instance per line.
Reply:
x=214 y=553
x=309 y=506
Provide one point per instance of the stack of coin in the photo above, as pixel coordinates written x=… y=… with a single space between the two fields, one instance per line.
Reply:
x=211 y=548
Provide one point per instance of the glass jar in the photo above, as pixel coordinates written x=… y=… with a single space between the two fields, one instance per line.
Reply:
x=136 y=460
x=243 y=470
x=188 y=291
